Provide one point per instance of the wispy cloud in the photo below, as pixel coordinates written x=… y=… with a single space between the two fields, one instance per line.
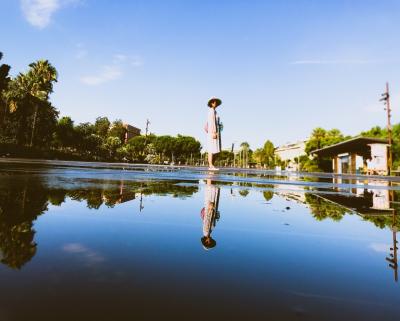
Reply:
x=114 y=70
x=81 y=51
x=332 y=62
x=107 y=73
x=379 y=247
x=39 y=13
x=89 y=256
x=134 y=61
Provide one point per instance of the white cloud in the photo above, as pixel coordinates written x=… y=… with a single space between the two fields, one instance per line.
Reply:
x=40 y=12
x=81 y=51
x=120 y=58
x=332 y=62
x=379 y=247
x=113 y=71
x=107 y=73
x=134 y=61
x=91 y=257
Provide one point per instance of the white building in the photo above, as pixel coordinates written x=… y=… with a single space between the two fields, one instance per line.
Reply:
x=290 y=152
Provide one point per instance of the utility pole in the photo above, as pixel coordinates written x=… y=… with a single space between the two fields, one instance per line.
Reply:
x=386 y=101
x=147 y=126
x=392 y=259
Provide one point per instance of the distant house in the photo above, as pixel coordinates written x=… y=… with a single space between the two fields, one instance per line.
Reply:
x=131 y=131
x=289 y=152
x=368 y=153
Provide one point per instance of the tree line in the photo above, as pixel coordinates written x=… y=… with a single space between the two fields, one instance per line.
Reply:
x=319 y=138
x=30 y=126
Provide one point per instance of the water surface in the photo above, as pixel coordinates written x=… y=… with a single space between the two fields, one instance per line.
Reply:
x=109 y=244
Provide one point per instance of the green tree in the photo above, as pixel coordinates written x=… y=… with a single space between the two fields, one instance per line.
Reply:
x=102 y=126
x=265 y=155
x=165 y=147
x=65 y=135
x=87 y=141
x=117 y=129
x=321 y=138
x=112 y=144
x=33 y=117
x=40 y=77
x=4 y=81
x=135 y=148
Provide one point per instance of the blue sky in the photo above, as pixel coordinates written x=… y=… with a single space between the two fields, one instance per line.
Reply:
x=280 y=67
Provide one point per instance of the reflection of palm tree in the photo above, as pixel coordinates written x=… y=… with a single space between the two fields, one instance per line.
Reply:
x=21 y=202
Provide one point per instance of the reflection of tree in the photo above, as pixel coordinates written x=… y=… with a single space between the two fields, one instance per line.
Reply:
x=23 y=199
x=112 y=192
x=383 y=221
x=173 y=188
x=322 y=209
x=56 y=196
x=244 y=192
x=21 y=202
x=268 y=195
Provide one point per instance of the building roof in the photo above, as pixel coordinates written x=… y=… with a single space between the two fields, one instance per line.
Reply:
x=288 y=146
x=130 y=127
x=358 y=145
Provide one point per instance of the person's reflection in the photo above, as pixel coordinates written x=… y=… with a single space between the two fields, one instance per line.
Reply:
x=209 y=214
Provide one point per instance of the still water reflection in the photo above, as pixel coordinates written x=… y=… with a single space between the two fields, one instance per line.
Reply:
x=77 y=247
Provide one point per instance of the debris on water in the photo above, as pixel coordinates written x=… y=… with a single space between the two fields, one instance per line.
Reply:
x=287 y=224
x=288 y=207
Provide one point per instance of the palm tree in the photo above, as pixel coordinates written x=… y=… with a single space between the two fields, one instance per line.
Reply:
x=30 y=90
x=4 y=80
x=41 y=77
x=245 y=149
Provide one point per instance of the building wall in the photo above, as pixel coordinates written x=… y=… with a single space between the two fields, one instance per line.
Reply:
x=378 y=162
x=291 y=151
x=131 y=131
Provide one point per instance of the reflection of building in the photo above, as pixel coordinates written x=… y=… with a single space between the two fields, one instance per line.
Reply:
x=131 y=131
x=290 y=152
x=369 y=154
x=372 y=205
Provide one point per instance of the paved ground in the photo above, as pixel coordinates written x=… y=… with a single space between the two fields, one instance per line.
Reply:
x=238 y=175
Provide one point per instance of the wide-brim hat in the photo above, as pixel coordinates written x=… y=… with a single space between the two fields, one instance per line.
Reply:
x=219 y=101
x=208 y=242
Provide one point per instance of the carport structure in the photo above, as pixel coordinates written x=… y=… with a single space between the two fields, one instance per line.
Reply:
x=347 y=155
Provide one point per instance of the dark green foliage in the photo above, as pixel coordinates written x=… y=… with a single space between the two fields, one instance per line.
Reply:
x=265 y=156
x=102 y=126
x=24 y=198
x=322 y=209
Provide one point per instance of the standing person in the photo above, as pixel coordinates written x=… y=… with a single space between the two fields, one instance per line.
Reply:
x=212 y=129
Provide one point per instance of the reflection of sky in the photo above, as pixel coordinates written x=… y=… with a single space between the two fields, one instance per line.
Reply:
x=266 y=251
